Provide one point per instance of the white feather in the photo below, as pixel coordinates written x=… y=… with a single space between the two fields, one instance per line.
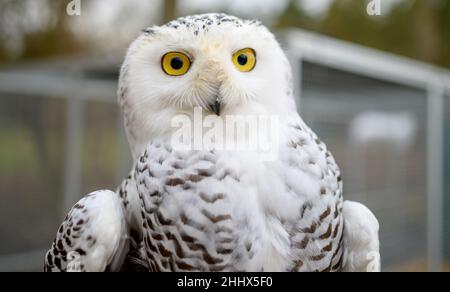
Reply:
x=360 y=239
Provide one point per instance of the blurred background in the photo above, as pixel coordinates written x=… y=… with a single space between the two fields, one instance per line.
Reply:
x=375 y=88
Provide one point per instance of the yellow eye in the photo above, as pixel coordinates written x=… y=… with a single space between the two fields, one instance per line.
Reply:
x=245 y=60
x=175 y=63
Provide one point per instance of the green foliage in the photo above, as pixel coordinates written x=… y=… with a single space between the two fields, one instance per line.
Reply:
x=52 y=39
x=413 y=28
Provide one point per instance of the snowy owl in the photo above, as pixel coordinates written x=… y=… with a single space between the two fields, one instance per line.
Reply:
x=216 y=209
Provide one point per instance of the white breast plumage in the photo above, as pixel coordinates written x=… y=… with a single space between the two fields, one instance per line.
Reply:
x=222 y=211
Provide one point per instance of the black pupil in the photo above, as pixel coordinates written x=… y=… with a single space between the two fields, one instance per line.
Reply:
x=176 y=63
x=242 y=59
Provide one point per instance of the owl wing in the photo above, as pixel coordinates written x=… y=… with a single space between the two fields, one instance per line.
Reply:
x=360 y=239
x=353 y=227
x=93 y=237
x=315 y=177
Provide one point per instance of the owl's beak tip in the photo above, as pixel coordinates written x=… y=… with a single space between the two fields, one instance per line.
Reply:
x=215 y=107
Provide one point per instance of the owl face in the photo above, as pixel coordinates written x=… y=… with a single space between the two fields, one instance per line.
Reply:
x=220 y=63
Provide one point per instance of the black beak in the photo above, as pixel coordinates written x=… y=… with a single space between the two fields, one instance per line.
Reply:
x=215 y=107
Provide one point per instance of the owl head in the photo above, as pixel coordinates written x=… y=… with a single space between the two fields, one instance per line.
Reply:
x=225 y=65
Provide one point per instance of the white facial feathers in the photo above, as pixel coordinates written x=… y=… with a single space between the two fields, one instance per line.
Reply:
x=150 y=97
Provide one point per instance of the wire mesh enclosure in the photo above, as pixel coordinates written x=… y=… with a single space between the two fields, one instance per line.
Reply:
x=62 y=137
x=383 y=118
x=447 y=181
x=379 y=143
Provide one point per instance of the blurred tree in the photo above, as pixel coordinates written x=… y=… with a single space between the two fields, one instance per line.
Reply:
x=294 y=16
x=444 y=29
x=348 y=20
x=414 y=28
x=427 y=36
x=31 y=29
x=170 y=10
